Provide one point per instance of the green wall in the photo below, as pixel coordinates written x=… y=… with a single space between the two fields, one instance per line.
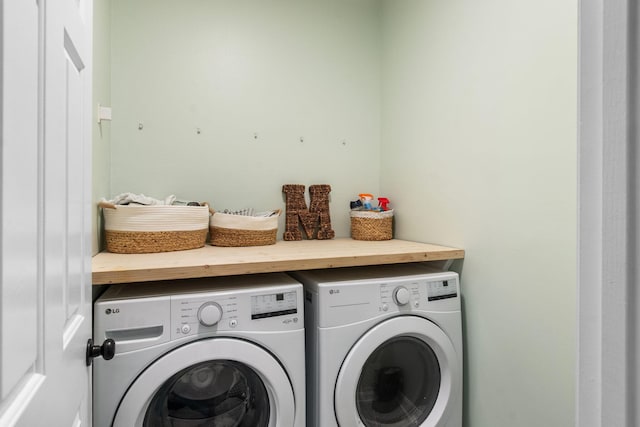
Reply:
x=479 y=152
x=101 y=148
x=254 y=77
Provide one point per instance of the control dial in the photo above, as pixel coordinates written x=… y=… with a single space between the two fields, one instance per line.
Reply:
x=401 y=295
x=209 y=314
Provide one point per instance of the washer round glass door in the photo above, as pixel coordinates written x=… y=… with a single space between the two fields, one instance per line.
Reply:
x=215 y=382
x=402 y=372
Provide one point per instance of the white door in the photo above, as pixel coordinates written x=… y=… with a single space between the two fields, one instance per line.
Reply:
x=45 y=313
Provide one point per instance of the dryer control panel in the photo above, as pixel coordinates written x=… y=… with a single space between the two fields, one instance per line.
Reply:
x=416 y=292
x=442 y=289
x=399 y=294
x=346 y=296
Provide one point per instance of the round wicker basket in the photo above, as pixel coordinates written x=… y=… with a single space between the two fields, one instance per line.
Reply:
x=134 y=229
x=240 y=230
x=371 y=225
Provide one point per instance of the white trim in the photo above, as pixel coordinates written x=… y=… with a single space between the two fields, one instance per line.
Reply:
x=605 y=217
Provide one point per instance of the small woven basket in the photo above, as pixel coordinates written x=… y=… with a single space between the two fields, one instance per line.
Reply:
x=241 y=230
x=371 y=225
x=134 y=229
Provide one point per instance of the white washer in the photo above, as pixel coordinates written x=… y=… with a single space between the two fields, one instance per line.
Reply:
x=384 y=347
x=218 y=351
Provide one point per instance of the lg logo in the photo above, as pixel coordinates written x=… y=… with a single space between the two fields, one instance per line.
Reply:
x=112 y=311
x=334 y=291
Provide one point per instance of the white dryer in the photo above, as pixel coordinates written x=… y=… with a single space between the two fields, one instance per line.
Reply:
x=217 y=351
x=384 y=347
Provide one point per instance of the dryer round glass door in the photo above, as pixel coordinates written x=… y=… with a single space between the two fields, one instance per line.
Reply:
x=214 y=382
x=403 y=372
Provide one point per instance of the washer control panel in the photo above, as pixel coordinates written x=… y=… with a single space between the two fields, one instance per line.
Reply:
x=209 y=314
x=401 y=295
x=235 y=311
x=272 y=305
x=191 y=313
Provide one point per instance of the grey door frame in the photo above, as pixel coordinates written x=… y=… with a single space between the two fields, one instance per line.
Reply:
x=608 y=215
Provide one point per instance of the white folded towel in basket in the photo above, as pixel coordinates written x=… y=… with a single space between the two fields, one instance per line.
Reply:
x=140 y=199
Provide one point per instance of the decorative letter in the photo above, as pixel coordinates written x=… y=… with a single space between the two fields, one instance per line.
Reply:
x=320 y=204
x=296 y=208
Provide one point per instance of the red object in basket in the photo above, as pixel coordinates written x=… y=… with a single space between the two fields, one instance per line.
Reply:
x=383 y=202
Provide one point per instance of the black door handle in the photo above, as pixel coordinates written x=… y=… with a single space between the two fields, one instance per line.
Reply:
x=107 y=350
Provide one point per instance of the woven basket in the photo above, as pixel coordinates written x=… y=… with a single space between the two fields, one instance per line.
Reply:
x=134 y=229
x=240 y=230
x=371 y=225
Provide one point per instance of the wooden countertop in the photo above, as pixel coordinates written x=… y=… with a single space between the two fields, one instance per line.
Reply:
x=209 y=261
